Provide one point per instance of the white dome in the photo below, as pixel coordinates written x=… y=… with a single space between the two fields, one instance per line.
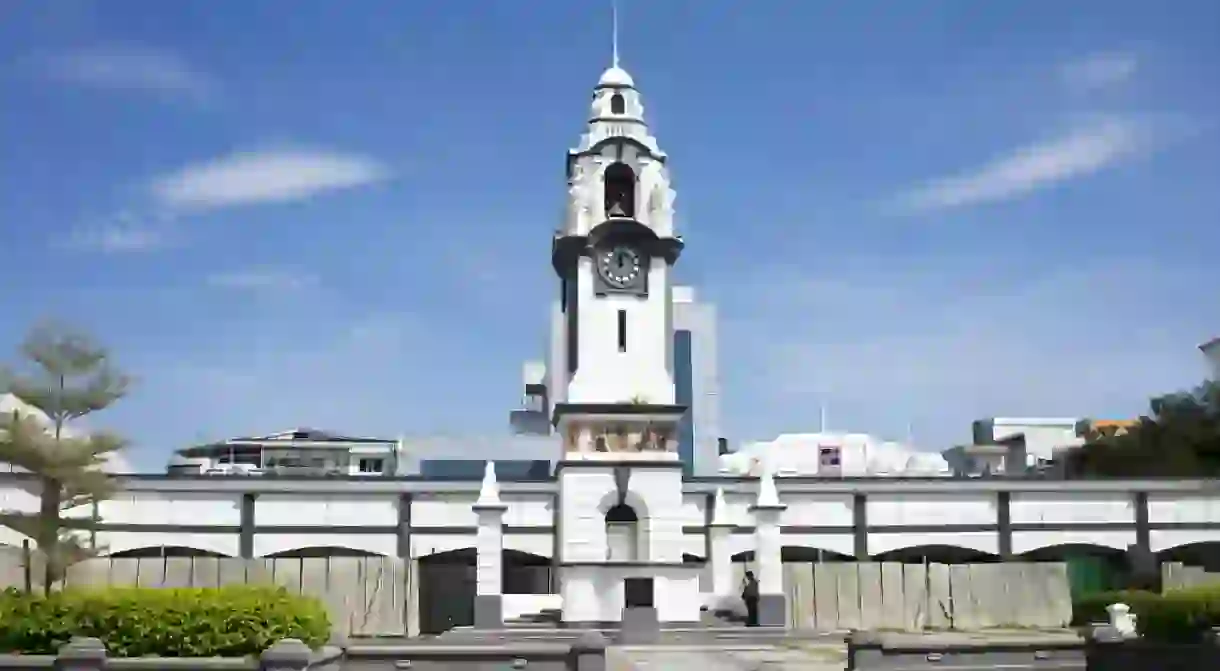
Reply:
x=616 y=76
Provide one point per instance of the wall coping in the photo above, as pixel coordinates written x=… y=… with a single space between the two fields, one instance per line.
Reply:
x=949 y=641
x=90 y=653
x=363 y=486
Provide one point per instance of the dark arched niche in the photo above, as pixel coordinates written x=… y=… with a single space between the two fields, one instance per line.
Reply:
x=166 y=551
x=619 y=191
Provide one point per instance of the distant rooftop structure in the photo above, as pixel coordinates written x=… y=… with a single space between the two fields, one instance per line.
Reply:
x=1003 y=457
x=299 y=451
x=308 y=436
x=417 y=450
x=833 y=455
x=315 y=452
x=1044 y=436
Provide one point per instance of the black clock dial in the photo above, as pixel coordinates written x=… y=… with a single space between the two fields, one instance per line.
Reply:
x=619 y=265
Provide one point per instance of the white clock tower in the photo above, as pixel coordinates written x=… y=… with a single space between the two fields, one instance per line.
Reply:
x=619 y=539
x=614 y=255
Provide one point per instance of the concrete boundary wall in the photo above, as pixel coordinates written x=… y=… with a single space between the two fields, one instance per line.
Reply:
x=886 y=596
x=1177 y=576
x=365 y=596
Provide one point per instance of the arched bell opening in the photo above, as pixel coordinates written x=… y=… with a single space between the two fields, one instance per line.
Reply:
x=617 y=104
x=619 y=191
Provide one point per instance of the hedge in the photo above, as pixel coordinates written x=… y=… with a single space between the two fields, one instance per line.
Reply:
x=1181 y=615
x=231 y=621
x=1177 y=616
x=1091 y=609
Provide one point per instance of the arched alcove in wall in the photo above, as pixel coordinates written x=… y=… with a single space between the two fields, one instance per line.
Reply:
x=1203 y=554
x=624 y=534
x=527 y=573
x=324 y=551
x=466 y=555
x=1091 y=568
x=164 y=551
x=936 y=554
x=798 y=554
x=1067 y=551
x=446 y=590
x=447 y=584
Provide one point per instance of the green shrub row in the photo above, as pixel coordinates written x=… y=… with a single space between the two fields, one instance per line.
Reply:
x=1091 y=609
x=1176 y=616
x=1182 y=615
x=231 y=621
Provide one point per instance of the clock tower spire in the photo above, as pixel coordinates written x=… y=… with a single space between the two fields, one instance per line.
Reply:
x=620 y=477
x=614 y=255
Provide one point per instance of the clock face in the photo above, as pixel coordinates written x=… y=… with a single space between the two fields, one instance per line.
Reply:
x=619 y=265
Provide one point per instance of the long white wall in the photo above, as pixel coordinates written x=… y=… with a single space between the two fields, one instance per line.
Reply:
x=857 y=518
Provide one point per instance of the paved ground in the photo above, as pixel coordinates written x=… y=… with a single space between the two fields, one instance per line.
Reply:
x=785 y=656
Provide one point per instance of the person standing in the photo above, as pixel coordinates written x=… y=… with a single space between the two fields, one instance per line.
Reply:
x=749 y=594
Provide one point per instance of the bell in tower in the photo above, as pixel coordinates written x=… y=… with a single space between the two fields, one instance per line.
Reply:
x=620 y=191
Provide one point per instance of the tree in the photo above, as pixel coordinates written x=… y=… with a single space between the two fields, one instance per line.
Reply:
x=1180 y=437
x=69 y=377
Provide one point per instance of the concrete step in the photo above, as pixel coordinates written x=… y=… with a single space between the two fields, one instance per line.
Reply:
x=709 y=618
x=528 y=624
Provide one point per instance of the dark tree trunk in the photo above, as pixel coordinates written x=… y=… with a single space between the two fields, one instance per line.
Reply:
x=48 y=530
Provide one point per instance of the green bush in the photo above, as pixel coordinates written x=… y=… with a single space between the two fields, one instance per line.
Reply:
x=1180 y=616
x=1091 y=609
x=136 y=622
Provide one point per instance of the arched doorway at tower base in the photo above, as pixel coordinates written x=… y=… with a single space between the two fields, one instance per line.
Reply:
x=448 y=581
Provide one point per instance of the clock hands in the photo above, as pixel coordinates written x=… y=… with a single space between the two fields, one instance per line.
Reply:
x=619 y=265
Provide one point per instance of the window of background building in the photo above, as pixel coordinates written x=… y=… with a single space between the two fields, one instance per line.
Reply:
x=828 y=456
x=371 y=465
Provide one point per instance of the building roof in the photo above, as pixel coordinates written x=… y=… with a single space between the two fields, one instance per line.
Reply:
x=310 y=435
x=1211 y=345
x=299 y=437
x=1032 y=421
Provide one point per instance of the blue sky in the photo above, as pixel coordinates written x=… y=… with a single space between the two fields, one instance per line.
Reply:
x=339 y=214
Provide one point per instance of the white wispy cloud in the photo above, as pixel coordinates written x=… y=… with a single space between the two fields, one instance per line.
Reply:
x=128 y=68
x=126 y=233
x=1083 y=151
x=266 y=176
x=1102 y=70
x=262 y=280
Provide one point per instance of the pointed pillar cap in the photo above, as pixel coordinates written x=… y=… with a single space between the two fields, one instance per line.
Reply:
x=720 y=510
x=489 y=493
x=768 y=495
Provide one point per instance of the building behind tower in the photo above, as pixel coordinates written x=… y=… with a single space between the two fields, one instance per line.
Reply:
x=696 y=381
